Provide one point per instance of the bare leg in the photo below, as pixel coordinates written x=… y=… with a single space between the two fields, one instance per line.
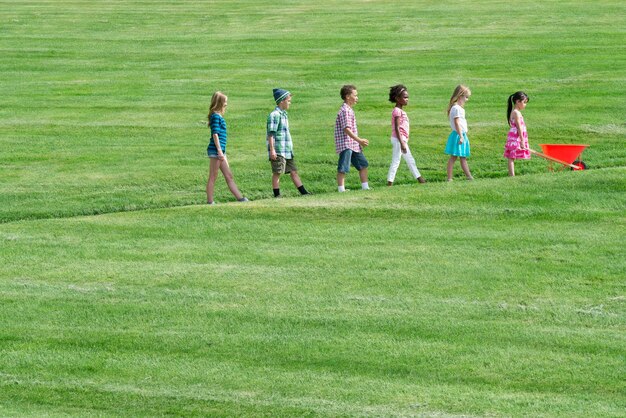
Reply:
x=511 y=167
x=466 y=169
x=275 y=180
x=341 y=179
x=451 y=162
x=214 y=166
x=363 y=175
x=230 y=181
x=295 y=178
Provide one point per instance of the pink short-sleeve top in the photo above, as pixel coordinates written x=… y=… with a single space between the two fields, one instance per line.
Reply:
x=403 y=123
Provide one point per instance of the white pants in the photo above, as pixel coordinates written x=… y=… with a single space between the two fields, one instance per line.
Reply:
x=395 y=160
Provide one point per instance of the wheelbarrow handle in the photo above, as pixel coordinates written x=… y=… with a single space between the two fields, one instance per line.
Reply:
x=556 y=160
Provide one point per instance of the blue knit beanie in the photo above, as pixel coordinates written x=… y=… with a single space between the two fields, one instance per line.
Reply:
x=280 y=95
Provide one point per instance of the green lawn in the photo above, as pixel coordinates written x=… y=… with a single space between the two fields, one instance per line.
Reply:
x=498 y=297
x=102 y=103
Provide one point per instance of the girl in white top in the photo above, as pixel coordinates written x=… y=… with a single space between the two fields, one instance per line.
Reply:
x=458 y=145
x=400 y=135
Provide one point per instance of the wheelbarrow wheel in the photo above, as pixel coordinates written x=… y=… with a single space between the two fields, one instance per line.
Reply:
x=580 y=165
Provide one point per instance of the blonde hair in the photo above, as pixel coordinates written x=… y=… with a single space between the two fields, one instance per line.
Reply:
x=459 y=91
x=218 y=102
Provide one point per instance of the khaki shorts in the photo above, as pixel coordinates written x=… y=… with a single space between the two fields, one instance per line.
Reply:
x=281 y=165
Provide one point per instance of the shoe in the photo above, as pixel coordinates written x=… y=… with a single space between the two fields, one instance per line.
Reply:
x=211 y=203
x=421 y=180
x=243 y=199
x=343 y=191
x=280 y=196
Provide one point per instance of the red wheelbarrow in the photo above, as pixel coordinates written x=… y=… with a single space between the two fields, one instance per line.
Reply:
x=566 y=154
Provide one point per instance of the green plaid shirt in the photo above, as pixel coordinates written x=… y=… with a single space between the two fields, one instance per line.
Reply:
x=278 y=127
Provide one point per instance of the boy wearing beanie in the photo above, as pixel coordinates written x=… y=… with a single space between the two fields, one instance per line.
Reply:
x=279 y=144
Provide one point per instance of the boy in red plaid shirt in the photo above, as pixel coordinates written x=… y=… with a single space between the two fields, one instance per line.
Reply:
x=348 y=144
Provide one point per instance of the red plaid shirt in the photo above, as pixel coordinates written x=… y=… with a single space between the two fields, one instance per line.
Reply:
x=346 y=119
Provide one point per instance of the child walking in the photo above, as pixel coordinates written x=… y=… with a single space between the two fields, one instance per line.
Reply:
x=279 y=144
x=400 y=135
x=516 y=147
x=458 y=145
x=348 y=144
x=217 y=149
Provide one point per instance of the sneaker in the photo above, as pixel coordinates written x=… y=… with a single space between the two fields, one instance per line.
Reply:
x=343 y=191
x=280 y=196
x=211 y=203
x=243 y=199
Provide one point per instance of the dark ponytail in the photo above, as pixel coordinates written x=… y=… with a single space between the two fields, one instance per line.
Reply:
x=509 y=108
x=515 y=97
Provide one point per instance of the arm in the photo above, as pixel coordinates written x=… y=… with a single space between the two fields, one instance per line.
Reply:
x=396 y=121
x=362 y=141
x=215 y=126
x=270 y=141
x=518 y=125
x=459 y=130
x=216 y=141
x=272 y=127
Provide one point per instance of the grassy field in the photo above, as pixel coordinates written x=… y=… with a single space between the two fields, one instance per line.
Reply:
x=461 y=299
x=102 y=104
x=499 y=297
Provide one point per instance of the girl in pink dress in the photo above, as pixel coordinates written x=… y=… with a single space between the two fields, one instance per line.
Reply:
x=516 y=147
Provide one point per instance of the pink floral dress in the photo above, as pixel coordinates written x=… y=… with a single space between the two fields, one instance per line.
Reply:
x=512 y=148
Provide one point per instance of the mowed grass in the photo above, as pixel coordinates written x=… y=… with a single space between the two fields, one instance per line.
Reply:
x=102 y=103
x=499 y=297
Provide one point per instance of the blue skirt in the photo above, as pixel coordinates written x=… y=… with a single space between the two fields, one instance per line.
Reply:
x=454 y=148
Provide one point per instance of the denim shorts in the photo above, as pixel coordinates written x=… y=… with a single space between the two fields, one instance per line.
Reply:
x=348 y=156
